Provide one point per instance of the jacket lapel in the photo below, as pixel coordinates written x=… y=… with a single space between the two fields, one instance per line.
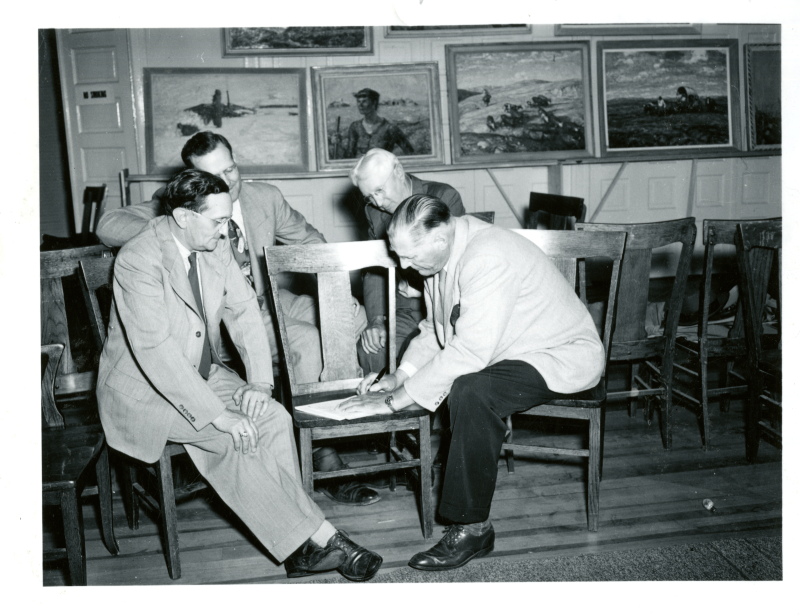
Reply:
x=253 y=219
x=213 y=276
x=460 y=240
x=173 y=263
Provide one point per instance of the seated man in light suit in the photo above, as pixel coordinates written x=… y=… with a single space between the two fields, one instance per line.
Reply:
x=260 y=217
x=380 y=178
x=161 y=378
x=504 y=332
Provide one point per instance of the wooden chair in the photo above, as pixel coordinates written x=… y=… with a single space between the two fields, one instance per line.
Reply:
x=758 y=245
x=332 y=263
x=554 y=212
x=705 y=348
x=566 y=250
x=95 y=273
x=58 y=268
x=69 y=454
x=94 y=200
x=631 y=343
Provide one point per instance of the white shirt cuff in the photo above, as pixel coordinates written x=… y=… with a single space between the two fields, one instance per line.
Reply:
x=409 y=369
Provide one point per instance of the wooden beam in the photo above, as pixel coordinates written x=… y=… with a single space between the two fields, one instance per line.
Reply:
x=519 y=218
x=608 y=192
x=692 y=187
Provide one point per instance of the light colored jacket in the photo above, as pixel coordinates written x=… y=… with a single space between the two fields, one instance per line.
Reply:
x=148 y=374
x=510 y=302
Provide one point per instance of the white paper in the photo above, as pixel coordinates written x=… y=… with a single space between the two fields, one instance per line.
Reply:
x=330 y=410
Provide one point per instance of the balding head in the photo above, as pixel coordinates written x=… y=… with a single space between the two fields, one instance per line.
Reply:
x=380 y=177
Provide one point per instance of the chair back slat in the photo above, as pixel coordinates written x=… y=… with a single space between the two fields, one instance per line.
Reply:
x=52 y=417
x=96 y=273
x=555 y=212
x=634 y=283
x=332 y=263
x=337 y=327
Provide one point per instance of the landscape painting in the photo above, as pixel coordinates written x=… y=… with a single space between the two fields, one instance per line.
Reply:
x=262 y=112
x=298 y=40
x=667 y=96
x=392 y=106
x=519 y=101
x=764 y=96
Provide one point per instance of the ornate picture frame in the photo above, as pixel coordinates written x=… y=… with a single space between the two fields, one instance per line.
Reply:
x=642 y=113
x=406 y=117
x=642 y=29
x=520 y=102
x=262 y=112
x=763 y=76
x=297 y=41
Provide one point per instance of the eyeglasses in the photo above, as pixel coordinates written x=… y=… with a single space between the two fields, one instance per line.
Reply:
x=218 y=222
x=372 y=198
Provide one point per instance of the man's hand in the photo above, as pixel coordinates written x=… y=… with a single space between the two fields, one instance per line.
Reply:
x=390 y=382
x=253 y=398
x=406 y=290
x=373 y=339
x=374 y=402
x=242 y=429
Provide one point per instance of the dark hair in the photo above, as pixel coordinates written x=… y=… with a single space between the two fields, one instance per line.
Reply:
x=420 y=214
x=201 y=144
x=189 y=189
x=368 y=93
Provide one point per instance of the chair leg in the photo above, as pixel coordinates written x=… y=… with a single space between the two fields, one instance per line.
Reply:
x=725 y=400
x=510 y=441
x=72 y=518
x=106 y=504
x=666 y=377
x=307 y=461
x=595 y=449
x=425 y=461
x=704 y=398
x=392 y=474
x=752 y=416
x=130 y=498
x=169 y=514
x=602 y=440
x=633 y=403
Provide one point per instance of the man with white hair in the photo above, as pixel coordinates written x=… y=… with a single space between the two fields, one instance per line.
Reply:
x=380 y=178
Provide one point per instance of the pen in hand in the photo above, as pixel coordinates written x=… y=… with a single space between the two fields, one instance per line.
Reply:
x=381 y=374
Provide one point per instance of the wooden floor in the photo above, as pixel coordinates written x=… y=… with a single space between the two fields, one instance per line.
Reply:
x=649 y=497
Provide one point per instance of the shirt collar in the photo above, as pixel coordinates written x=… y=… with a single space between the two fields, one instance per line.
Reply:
x=184 y=252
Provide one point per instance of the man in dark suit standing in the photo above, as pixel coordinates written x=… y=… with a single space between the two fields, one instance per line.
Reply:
x=161 y=378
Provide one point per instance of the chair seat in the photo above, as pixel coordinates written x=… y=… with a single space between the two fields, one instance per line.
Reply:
x=589 y=398
x=67 y=453
x=309 y=420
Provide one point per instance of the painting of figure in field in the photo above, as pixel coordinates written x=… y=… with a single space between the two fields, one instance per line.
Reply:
x=258 y=113
x=666 y=98
x=520 y=101
x=391 y=112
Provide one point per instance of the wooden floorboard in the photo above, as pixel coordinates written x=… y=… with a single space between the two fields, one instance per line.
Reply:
x=648 y=497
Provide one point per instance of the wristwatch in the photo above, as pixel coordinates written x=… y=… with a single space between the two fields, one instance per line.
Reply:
x=388 y=402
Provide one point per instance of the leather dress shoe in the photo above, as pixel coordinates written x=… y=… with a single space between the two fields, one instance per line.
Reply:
x=349 y=493
x=456 y=549
x=310 y=558
x=360 y=564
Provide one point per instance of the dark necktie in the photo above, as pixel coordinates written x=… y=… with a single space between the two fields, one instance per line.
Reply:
x=205 y=360
x=440 y=308
x=239 y=248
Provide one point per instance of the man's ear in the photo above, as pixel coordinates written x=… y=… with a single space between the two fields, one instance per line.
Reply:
x=181 y=216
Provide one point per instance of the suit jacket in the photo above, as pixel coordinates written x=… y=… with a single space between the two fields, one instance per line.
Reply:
x=503 y=299
x=375 y=301
x=267 y=218
x=148 y=374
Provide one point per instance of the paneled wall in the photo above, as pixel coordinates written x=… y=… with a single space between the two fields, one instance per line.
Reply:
x=646 y=191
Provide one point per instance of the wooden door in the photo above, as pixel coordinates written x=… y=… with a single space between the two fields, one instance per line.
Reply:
x=98 y=110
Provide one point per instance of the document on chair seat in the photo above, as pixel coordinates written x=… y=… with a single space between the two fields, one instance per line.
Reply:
x=330 y=410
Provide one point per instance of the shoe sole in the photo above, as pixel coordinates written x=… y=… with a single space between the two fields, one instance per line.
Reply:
x=335 y=500
x=364 y=579
x=478 y=554
x=331 y=562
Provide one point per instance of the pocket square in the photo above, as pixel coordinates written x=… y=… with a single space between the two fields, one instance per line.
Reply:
x=455 y=314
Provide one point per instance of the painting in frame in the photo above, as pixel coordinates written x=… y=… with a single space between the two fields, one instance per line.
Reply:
x=297 y=41
x=398 y=109
x=643 y=29
x=471 y=30
x=262 y=112
x=671 y=95
x=519 y=101
x=764 y=96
